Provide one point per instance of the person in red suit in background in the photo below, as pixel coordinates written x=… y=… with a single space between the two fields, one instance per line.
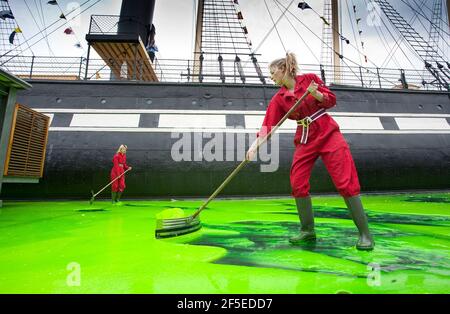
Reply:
x=317 y=135
x=119 y=167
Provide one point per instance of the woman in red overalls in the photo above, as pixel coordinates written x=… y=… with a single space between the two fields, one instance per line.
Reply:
x=317 y=135
x=119 y=166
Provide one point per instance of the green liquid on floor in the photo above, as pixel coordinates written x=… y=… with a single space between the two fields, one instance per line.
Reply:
x=72 y=247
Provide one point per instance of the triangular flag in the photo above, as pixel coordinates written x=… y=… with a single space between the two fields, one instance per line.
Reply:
x=325 y=21
x=345 y=39
x=235 y=1
x=68 y=31
x=240 y=17
x=52 y=2
x=354 y=8
x=62 y=16
x=13 y=34
x=245 y=30
x=304 y=6
x=78 y=45
x=6 y=14
x=357 y=20
x=11 y=37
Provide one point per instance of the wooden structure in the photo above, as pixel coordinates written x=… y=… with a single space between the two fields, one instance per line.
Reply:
x=125 y=55
x=27 y=143
x=9 y=84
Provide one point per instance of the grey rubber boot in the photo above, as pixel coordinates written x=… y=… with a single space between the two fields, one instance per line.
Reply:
x=354 y=205
x=118 y=202
x=113 y=197
x=305 y=213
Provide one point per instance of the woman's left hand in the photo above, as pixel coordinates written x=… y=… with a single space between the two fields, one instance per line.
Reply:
x=312 y=88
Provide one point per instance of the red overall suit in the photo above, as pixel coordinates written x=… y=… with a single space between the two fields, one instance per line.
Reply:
x=323 y=138
x=119 y=166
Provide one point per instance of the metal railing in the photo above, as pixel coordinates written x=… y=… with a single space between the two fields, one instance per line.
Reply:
x=109 y=24
x=212 y=71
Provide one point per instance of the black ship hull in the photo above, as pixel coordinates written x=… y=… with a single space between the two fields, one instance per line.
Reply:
x=184 y=139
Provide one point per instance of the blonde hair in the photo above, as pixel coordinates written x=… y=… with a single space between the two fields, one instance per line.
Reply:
x=123 y=146
x=287 y=64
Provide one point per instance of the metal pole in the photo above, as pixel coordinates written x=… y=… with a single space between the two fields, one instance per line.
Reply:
x=403 y=79
x=378 y=75
x=189 y=71
x=361 y=76
x=87 y=62
x=79 y=71
x=32 y=64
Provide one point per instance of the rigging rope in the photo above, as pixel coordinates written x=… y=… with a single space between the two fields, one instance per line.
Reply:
x=51 y=26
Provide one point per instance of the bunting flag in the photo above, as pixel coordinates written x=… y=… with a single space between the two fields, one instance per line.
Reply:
x=62 y=16
x=78 y=45
x=360 y=32
x=69 y=31
x=241 y=17
x=52 y=2
x=304 y=5
x=358 y=20
x=13 y=35
x=345 y=39
x=354 y=9
x=325 y=21
x=6 y=14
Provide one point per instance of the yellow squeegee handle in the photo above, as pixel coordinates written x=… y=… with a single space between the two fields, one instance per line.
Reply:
x=245 y=161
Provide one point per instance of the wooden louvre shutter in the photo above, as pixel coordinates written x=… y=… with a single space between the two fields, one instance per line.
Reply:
x=27 y=143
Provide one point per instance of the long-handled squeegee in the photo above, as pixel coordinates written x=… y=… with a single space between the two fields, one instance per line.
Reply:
x=172 y=227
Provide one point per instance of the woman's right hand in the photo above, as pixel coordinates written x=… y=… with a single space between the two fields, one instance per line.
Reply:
x=251 y=153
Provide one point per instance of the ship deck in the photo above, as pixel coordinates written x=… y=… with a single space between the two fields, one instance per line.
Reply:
x=74 y=247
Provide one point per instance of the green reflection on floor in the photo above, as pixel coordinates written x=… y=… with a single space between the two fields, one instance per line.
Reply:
x=72 y=247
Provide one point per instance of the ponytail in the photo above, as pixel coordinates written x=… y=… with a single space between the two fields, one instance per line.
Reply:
x=287 y=64
x=291 y=64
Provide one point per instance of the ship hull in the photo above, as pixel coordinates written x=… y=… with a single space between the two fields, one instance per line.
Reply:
x=399 y=139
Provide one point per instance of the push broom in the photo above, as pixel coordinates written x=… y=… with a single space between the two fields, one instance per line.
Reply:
x=94 y=195
x=172 y=227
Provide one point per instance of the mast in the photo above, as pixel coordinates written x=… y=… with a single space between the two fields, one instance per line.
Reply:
x=448 y=13
x=336 y=40
x=198 y=40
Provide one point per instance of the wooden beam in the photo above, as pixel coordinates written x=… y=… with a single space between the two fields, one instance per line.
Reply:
x=134 y=54
x=198 y=40
x=336 y=41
